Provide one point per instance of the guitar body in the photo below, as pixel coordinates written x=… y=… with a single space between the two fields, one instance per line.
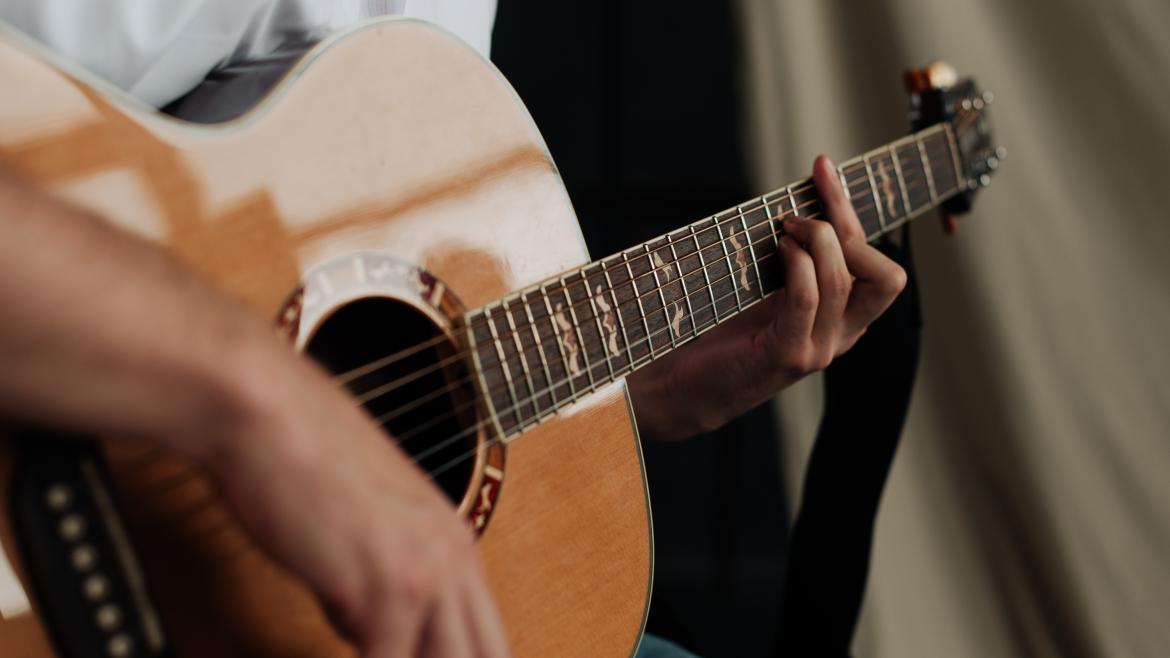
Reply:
x=392 y=140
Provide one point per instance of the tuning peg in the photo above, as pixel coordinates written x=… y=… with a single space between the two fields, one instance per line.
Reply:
x=988 y=97
x=1001 y=153
x=941 y=75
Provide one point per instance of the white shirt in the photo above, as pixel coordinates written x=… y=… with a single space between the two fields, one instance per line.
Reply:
x=157 y=50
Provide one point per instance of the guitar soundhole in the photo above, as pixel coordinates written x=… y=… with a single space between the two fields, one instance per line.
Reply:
x=412 y=382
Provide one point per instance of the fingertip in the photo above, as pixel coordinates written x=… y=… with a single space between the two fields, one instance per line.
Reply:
x=824 y=164
x=825 y=174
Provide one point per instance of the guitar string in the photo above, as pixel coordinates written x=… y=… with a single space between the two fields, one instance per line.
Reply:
x=191 y=509
x=178 y=479
x=246 y=546
x=741 y=211
x=382 y=389
x=149 y=456
x=637 y=362
x=522 y=328
x=372 y=366
x=550 y=342
x=514 y=408
x=219 y=526
x=791 y=194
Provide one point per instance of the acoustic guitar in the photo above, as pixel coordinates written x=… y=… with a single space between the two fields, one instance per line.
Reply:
x=392 y=207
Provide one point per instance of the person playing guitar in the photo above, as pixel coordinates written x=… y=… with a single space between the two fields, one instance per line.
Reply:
x=206 y=377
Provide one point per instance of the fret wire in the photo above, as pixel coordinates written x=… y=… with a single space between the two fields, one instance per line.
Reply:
x=617 y=308
x=503 y=364
x=481 y=375
x=706 y=274
x=638 y=299
x=752 y=250
x=792 y=202
x=877 y=202
x=661 y=296
x=580 y=337
x=844 y=181
x=552 y=393
x=601 y=334
x=953 y=145
x=523 y=358
x=771 y=224
x=560 y=344
x=683 y=279
x=926 y=172
x=730 y=268
x=901 y=180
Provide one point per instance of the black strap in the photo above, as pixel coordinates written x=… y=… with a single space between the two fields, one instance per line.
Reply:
x=867 y=392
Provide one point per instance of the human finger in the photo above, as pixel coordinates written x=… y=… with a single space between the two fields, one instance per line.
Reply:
x=878 y=282
x=400 y=634
x=484 y=617
x=838 y=208
x=449 y=632
x=401 y=614
x=833 y=278
x=793 y=329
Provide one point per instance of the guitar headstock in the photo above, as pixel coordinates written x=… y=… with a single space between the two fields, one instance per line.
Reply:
x=938 y=95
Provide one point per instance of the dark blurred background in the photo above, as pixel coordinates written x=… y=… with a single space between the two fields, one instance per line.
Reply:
x=640 y=104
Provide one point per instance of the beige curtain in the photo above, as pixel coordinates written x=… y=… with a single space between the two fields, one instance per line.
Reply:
x=1028 y=513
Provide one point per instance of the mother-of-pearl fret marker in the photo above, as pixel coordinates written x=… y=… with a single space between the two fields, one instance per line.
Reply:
x=676 y=307
x=741 y=261
x=888 y=188
x=607 y=321
x=567 y=338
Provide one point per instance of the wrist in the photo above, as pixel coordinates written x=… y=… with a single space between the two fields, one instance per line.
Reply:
x=664 y=403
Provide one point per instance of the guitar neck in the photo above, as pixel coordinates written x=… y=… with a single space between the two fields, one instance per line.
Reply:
x=543 y=348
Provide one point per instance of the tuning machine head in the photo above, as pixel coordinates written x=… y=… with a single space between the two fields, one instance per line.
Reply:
x=939 y=96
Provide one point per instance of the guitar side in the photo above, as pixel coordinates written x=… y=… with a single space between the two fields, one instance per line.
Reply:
x=392 y=138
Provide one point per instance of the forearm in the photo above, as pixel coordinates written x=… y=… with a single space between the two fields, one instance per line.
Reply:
x=104 y=332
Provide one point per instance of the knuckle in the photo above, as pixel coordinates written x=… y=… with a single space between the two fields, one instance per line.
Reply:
x=821 y=230
x=840 y=284
x=822 y=360
x=803 y=300
x=799 y=362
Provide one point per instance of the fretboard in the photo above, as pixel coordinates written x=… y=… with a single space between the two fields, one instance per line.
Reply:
x=543 y=348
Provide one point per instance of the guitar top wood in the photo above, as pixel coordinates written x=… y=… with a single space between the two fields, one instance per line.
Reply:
x=393 y=138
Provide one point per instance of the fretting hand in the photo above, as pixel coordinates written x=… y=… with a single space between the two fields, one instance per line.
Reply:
x=836 y=284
